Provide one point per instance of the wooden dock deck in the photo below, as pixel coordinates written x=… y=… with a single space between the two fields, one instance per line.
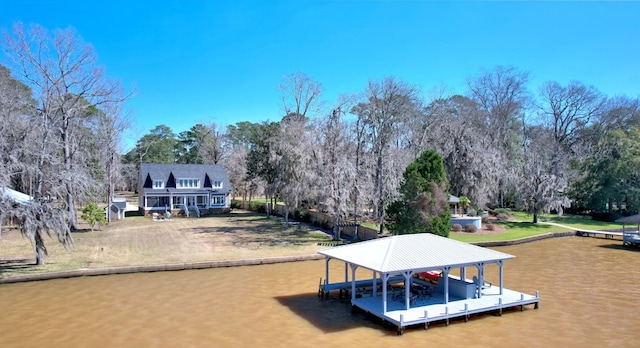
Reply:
x=594 y=233
x=590 y=233
x=425 y=309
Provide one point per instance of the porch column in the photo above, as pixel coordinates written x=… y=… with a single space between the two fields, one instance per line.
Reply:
x=346 y=273
x=353 y=282
x=385 y=279
x=446 y=271
x=501 y=276
x=480 y=267
x=326 y=270
x=463 y=273
x=407 y=289
x=375 y=283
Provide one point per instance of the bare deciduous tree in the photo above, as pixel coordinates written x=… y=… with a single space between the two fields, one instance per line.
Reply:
x=335 y=167
x=503 y=96
x=300 y=95
x=68 y=84
x=389 y=110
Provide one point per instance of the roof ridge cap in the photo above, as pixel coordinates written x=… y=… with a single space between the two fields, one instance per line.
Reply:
x=387 y=255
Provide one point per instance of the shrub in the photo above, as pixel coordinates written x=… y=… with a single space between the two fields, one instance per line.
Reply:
x=257 y=207
x=470 y=228
x=485 y=220
x=235 y=205
x=93 y=215
x=503 y=216
x=301 y=215
x=606 y=217
x=456 y=228
x=489 y=226
x=501 y=211
x=471 y=212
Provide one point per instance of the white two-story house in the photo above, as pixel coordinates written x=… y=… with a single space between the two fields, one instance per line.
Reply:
x=183 y=188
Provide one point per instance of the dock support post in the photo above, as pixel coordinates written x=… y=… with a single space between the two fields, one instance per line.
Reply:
x=401 y=326
x=500 y=306
x=426 y=318
x=466 y=312
x=538 y=297
x=446 y=313
x=521 y=299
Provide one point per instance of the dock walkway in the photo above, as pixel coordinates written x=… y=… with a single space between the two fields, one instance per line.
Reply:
x=589 y=233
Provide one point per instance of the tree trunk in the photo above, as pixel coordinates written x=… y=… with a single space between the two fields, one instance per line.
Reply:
x=68 y=166
x=336 y=227
x=40 y=249
x=71 y=209
x=286 y=216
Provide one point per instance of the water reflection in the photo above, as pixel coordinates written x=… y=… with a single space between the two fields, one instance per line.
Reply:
x=588 y=289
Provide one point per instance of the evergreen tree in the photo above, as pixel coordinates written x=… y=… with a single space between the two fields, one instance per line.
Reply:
x=424 y=203
x=93 y=215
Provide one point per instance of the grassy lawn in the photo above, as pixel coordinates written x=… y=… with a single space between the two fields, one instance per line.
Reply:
x=524 y=227
x=515 y=230
x=142 y=241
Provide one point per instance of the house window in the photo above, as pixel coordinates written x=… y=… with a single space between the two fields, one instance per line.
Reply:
x=217 y=184
x=157 y=201
x=217 y=200
x=201 y=201
x=188 y=183
x=158 y=184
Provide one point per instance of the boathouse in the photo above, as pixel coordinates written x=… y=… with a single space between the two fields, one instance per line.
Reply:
x=412 y=281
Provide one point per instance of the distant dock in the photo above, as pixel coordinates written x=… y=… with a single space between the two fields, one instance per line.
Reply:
x=591 y=233
x=594 y=233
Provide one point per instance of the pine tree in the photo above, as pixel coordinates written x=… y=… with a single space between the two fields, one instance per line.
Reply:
x=424 y=203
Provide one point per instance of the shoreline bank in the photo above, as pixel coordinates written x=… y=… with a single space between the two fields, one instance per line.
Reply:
x=87 y=272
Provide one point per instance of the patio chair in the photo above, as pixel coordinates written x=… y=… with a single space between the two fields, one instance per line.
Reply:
x=396 y=293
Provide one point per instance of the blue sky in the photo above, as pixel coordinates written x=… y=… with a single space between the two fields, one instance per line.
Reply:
x=195 y=61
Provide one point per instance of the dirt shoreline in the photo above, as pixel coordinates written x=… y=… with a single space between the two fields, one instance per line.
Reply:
x=142 y=245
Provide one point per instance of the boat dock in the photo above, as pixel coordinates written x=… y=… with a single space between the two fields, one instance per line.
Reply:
x=591 y=233
x=631 y=238
x=429 y=309
x=594 y=233
x=412 y=283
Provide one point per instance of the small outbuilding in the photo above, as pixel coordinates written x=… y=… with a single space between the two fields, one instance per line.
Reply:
x=117 y=209
x=402 y=289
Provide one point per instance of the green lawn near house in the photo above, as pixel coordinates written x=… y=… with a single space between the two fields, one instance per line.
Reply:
x=523 y=227
x=514 y=230
x=575 y=221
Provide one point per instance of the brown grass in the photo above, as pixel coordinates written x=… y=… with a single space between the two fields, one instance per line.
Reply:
x=142 y=241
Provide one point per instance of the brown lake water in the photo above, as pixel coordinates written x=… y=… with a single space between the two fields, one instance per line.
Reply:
x=589 y=289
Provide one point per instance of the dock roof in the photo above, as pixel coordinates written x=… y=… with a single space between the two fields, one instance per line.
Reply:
x=633 y=219
x=413 y=252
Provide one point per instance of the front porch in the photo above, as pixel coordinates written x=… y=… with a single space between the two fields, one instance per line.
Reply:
x=188 y=204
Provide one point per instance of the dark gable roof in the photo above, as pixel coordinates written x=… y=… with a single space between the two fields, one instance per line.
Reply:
x=171 y=182
x=148 y=183
x=167 y=172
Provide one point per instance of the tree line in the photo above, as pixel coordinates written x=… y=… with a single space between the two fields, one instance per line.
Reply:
x=553 y=149
x=559 y=147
